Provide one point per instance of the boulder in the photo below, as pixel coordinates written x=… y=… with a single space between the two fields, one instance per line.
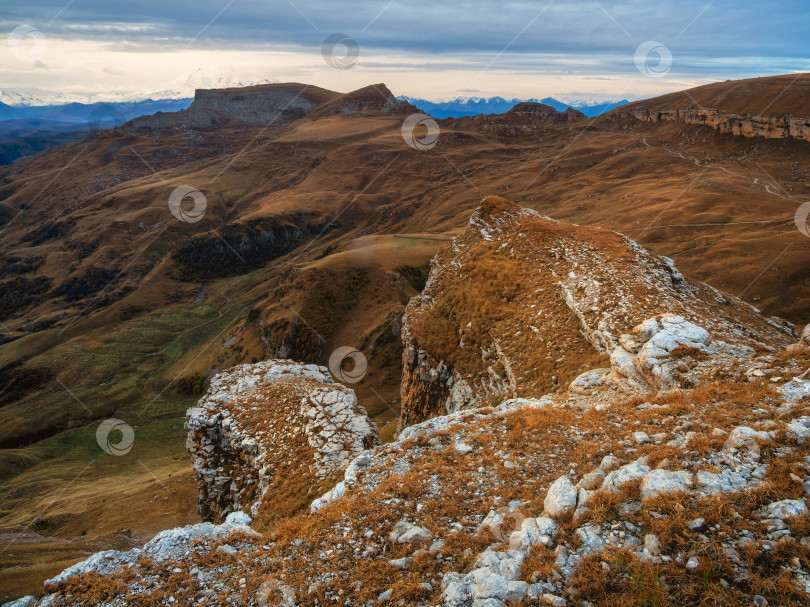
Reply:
x=588 y=382
x=561 y=498
x=406 y=533
x=799 y=429
x=727 y=480
x=784 y=509
x=661 y=482
x=633 y=471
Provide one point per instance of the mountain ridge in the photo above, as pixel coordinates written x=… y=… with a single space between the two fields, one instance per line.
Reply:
x=581 y=494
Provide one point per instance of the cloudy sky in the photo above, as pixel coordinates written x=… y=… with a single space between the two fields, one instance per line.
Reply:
x=424 y=48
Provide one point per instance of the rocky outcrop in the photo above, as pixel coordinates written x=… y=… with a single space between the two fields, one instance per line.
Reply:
x=267 y=420
x=746 y=125
x=524 y=119
x=522 y=305
x=546 y=113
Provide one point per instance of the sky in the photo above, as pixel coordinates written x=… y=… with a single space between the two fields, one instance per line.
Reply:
x=569 y=49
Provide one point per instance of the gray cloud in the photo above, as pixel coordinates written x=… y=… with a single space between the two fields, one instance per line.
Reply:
x=727 y=28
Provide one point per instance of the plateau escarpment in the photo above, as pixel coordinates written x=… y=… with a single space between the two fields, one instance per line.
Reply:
x=677 y=473
x=773 y=108
x=746 y=125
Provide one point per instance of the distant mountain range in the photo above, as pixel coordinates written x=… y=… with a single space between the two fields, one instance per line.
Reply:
x=34 y=123
x=85 y=113
x=472 y=106
x=28 y=129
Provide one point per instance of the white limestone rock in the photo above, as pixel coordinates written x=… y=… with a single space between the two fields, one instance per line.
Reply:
x=588 y=382
x=799 y=429
x=405 y=532
x=727 y=480
x=661 y=482
x=633 y=471
x=561 y=498
x=784 y=509
x=168 y=545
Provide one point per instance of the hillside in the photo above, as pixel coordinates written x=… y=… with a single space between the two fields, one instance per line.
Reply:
x=677 y=475
x=318 y=229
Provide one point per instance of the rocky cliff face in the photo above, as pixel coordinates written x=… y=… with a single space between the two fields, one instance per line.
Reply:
x=263 y=427
x=520 y=305
x=746 y=125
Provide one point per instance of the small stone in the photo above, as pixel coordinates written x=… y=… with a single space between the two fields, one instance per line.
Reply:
x=692 y=563
x=553 y=600
x=651 y=544
x=609 y=463
x=696 y=524
x=385 y=595
x=760 y=601
x=462 y=448
x=642 y=438
x=401 y=563
x=405 y=532
x=226 y=550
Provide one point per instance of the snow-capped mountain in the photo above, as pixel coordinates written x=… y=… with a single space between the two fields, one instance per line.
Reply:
x=472 y=106
x=222 y=77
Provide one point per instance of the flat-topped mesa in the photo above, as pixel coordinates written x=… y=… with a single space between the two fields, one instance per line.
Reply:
x=266 y=428
x=272 y=104
x=266 y=103
x=521 y=305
